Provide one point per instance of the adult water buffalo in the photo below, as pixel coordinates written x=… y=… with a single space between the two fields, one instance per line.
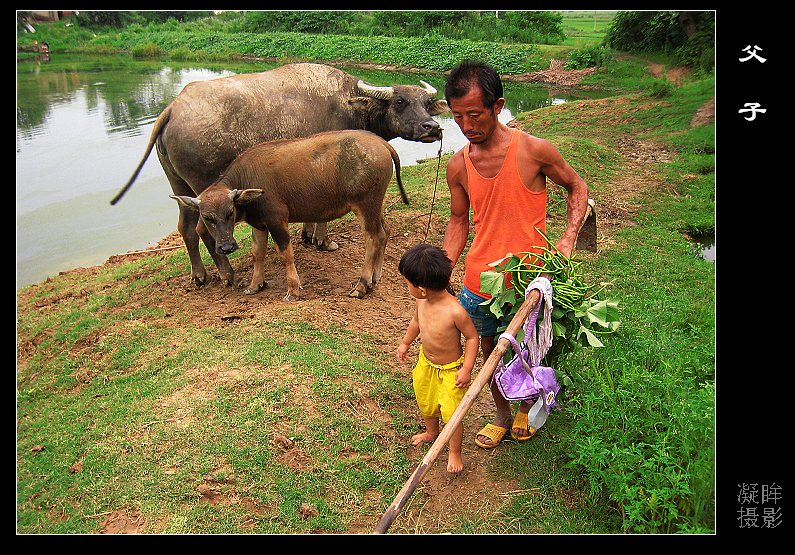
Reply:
x=211 y=122
x=318 y=179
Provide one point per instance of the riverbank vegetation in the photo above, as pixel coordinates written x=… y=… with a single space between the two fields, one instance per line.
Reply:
x=512 y=41
x=128 y=405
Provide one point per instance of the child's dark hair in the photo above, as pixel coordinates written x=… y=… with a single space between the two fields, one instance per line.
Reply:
x=427 y=266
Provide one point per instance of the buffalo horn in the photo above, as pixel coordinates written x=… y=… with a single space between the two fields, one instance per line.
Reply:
x=428 y=88
x=382 y=93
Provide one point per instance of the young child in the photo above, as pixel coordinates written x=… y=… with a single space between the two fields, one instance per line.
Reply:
x=443 y=372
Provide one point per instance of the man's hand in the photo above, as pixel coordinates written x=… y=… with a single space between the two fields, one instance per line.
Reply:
x=565 y=247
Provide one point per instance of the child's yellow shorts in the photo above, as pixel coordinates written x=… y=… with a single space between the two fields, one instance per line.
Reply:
x=434 y=387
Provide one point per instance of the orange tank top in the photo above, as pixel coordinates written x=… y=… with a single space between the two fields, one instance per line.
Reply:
x=505 y=214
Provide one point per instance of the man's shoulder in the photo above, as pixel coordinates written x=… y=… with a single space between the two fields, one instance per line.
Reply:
x=527 y=138
x=456 y=160
x=459 y=154
x=537 y=147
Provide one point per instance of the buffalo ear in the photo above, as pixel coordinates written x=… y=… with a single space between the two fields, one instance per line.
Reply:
x=438 y=107
x=245 y=196
x=187 y=202
x=365 y=103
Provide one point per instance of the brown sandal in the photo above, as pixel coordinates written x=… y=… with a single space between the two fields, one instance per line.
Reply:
x=494 y=433
x=520 y=422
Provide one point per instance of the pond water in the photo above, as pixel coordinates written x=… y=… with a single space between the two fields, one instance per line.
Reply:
x=82 y=127
x=704 y=247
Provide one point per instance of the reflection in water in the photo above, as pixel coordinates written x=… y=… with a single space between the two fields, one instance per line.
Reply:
x=82 y=127
x=708 y=252
x=81 y=130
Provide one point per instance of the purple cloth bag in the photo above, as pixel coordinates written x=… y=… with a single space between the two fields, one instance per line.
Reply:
x=518 y=380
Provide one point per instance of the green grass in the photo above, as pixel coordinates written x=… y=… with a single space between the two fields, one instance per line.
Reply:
x=123 y=424
x=586 y=29
x=644 y=408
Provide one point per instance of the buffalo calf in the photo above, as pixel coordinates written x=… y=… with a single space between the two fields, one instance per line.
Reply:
x=316 y=179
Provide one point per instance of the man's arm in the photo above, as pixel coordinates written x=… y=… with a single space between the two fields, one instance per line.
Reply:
x=457 y=232
x=558 y=170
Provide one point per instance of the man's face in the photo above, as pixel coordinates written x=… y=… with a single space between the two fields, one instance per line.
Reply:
x=476 y=121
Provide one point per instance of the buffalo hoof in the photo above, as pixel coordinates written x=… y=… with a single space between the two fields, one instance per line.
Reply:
x=199 y=281
x=256 y=289
x=357 y=293
x=293 y=295
x=330 y=246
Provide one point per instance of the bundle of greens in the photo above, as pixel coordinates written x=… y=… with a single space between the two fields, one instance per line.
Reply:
x=579 y=314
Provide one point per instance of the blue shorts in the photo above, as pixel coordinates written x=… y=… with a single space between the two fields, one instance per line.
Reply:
x=485 y=322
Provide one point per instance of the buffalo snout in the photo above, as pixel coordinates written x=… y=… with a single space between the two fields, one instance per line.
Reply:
x=430 y=131
x=227 y=248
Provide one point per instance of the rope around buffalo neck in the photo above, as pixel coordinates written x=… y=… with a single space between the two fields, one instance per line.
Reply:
x=433 y=199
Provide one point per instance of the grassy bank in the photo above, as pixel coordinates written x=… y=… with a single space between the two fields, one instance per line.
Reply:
x=224 y=38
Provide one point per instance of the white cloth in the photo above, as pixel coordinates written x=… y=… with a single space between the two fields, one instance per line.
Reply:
x=539 y=339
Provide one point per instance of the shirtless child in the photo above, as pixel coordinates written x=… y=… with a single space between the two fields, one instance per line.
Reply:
x=444 y=369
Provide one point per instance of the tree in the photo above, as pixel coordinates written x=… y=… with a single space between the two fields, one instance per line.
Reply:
x=104 y=18
x=688 y=35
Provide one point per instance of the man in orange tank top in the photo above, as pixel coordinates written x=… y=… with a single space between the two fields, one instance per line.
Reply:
x=501 y=174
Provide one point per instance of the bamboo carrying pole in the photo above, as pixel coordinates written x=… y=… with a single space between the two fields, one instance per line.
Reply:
x=482 y=379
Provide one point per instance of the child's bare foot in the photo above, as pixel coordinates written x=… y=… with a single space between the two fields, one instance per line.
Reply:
x=454 y=463
x=424 y=437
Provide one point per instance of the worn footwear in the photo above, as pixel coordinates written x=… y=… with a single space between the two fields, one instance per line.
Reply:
x=520 y=422
x=494 y=433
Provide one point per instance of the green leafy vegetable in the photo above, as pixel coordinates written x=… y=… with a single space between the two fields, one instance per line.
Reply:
x=579 y=315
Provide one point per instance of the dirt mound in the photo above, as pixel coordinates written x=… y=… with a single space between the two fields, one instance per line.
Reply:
x=675 y=75
x=555 y=75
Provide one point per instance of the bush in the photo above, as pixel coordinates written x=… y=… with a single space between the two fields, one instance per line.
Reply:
x=662 y=32
x=297 y=21
x=699 y=50
x=182 y=53
x=661 y=88
x=116 y=19
x=545 y=27
x=511 y=26
x=432 y=52
x=146 y=50
x=591 y=57
x=644 y=437
x=645 y=32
